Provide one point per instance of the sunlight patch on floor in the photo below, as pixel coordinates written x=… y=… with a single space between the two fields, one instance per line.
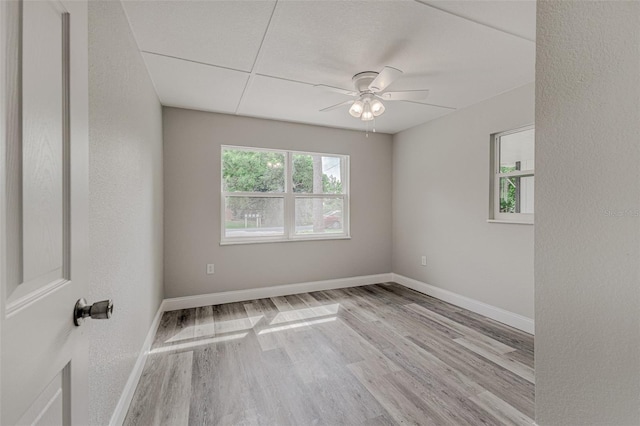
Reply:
x=296 y=325
x=197 y=343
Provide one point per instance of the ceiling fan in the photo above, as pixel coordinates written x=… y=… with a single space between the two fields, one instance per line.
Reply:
x=370 y=92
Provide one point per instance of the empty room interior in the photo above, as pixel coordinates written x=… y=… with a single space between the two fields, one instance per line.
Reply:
x=285 y=212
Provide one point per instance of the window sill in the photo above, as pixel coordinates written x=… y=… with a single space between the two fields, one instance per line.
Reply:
x=509 y=222
x=293 y=240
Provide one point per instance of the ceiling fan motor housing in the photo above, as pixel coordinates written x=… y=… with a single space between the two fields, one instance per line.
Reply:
x=362 y=80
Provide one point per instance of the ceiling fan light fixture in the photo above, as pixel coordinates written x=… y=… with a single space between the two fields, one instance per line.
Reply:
x=377 y=107
x=367 y=114
x=356 y=109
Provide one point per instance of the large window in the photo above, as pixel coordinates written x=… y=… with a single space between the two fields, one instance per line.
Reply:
x=513 y=175
x=272 y=195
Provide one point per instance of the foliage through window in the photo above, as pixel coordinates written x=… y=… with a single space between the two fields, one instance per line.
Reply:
x=513 y=165
x=271 y=195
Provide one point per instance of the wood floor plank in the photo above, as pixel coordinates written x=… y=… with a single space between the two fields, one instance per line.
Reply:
x=267 y=311
x=372 y=355
x=432 y=326
x=363 y=301
x=351 y=305
x=509 y=336
x=148 y=392
x=501 y=410
x=449 y=409
x=386 y=292
x=351 y=346
x=432 y=371
x=166 y=329
x=223 y=381
x=383 y=420
x=344 y=400
x=496 y=330
x=278 y=393
x=399 y=405
x=204 y=324
x=523 y=357
x=445 y=385
x=508 y=386
x=232 y=318
x=412 y=296
x=472 y=335
x=185 y=326
x=320 y=309
x=173 y=408
x=503 y=360
x=312 y=362
x=379 y=337
x=201 y=409
x=293 y=313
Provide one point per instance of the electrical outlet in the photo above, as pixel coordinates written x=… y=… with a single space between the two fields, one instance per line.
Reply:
x=210 y=269
x=423 y=261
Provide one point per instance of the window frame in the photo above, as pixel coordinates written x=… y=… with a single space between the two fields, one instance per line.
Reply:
x=494 y=199
x=289 y=197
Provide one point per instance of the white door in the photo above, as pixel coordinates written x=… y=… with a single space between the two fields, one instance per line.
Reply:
x=43 y=210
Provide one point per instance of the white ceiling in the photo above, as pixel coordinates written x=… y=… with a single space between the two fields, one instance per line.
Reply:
x=262 y=58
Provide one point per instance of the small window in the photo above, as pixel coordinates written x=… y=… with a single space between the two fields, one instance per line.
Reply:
x=272 y=195
x=512 y=175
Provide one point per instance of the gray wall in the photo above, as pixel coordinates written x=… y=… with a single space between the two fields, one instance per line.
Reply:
x=192 y=143
x=441 y=206
x=587 y=231
x=125 y=183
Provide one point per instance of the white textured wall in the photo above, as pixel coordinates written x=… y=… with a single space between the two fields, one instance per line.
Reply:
x=441 y=206
x=587 y=168
x=125 y=183
x=192 y=142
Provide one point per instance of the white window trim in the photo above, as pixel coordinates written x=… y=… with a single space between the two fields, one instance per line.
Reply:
x=289 y=200
x=495 y=216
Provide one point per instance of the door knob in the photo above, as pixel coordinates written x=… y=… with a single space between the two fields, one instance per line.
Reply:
x=99 y=310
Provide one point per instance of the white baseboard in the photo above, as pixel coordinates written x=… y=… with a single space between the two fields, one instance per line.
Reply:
x=120 y=412
x=509 y=318
x=280 y=290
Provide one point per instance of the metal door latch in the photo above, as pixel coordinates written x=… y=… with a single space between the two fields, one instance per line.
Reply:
x=99 y=310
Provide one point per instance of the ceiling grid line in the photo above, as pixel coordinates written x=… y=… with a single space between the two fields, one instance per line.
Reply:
x=193 y=61
x=427 y=4
x=252 y=74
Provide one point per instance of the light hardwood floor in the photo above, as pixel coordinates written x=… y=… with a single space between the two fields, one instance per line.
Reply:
x=379 y=354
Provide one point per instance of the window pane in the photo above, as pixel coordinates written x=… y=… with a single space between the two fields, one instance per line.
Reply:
x=319 y=216
x=252 y=171
x=250 y=217
x=516 y=194
x=517 y=151
x=317 y=174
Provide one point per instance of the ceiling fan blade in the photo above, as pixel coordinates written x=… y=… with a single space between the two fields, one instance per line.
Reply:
x=405 y=95
x=387 y=76
x=336 y=106
x=335 y=89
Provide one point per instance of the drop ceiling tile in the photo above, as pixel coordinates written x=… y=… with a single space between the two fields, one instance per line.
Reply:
x=513 y=16
x=459 y=61
x=286 y=100
x=192 y=85
x=222 y=33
